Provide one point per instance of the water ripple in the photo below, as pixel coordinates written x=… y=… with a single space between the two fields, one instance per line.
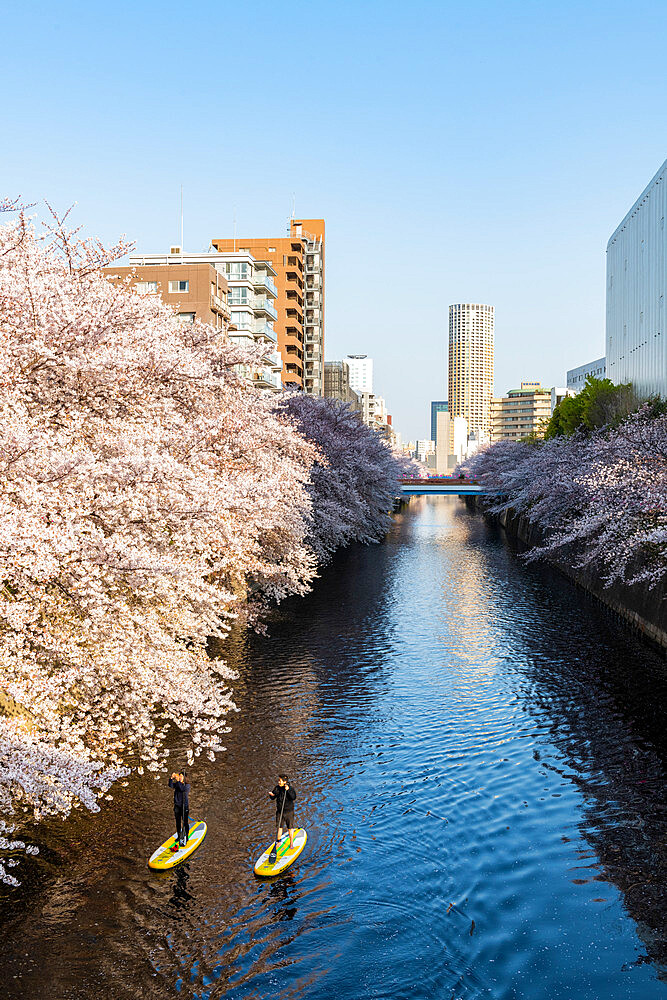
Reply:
x=479 y=752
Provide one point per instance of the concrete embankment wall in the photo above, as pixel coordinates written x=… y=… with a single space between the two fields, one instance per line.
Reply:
x=643 y=607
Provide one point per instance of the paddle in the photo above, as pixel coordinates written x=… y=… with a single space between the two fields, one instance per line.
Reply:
x=273 y=856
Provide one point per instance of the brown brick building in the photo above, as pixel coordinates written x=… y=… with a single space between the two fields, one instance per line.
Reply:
x=196 y=291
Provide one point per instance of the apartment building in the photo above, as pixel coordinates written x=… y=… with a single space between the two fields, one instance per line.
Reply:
x=249 y=293
x=312 y=231
x=337 y=384
x=521 y=412
x=471 y=364
x=298 y=264
x=196 y=291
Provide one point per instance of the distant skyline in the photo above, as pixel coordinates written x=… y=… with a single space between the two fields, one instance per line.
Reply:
x=458 y=153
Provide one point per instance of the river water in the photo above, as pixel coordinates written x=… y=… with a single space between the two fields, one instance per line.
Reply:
x=479 y=754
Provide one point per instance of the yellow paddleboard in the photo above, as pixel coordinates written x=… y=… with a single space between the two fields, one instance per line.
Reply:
x=285 y=856
x=164 y=857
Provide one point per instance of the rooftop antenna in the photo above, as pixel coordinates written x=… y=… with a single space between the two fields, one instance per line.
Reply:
x=234 y=226
x=181 y=218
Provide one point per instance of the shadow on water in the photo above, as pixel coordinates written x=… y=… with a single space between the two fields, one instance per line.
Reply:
x=479 y=754
x=605 y=691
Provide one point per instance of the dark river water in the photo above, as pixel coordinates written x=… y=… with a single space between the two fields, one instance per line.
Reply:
x=479 y=753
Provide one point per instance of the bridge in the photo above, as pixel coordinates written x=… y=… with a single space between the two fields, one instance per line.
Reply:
x=440 y=486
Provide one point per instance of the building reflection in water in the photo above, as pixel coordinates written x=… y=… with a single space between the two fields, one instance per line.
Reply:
x=605 y=699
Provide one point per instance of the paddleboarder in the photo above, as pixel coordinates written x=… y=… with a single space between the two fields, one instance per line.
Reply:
x=284 y=795
x=181 y=807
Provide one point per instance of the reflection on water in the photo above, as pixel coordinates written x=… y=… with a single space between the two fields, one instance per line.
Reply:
x=479 y=753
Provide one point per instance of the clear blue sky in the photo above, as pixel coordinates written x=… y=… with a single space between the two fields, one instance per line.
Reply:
x=458 y=152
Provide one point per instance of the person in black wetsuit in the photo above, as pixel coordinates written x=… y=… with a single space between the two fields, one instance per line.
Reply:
x=284 y=795
x=181 y=808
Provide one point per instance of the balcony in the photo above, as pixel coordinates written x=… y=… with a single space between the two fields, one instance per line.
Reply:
x=274 y=361
x=217 y=305
x=265 y=330
x=265 y=306
x=263 y=280
x=266 y=379
x=294 y=314
x=241 y=339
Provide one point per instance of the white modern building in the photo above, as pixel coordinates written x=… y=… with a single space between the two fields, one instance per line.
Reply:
x=361 y=372
x=576 y=377
x=471 y=364
x=636 y=292
x=558 y=394
x=251 y=299
x=451 y=442
x=423 y=449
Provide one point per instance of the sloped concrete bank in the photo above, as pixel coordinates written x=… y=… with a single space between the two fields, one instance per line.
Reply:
x=643 y=607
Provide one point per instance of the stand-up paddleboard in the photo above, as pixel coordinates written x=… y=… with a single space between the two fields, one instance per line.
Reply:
x=164 y=857
x=285 y=856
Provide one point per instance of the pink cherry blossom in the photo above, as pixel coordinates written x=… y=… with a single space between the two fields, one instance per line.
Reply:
x=146 y=490
x=599 y=501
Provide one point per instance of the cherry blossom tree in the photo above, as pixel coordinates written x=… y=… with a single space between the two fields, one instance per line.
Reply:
x=148 y=496
x=144 y=488
x=599 y=500
x=354 y=483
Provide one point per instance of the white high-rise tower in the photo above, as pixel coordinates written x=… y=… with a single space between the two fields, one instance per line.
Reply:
x=470 y=382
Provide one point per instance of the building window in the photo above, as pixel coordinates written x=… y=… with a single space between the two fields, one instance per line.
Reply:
x=179 y=286
x=238 y=271
x=188 y=317
x=146 y=286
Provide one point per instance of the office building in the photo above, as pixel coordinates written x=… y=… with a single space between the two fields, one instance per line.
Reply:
x=361 y=372
x=298 y=263
x=437 y=406
x=471 y=366
x=522 y=412
x=239 y=287
x=337 y=384
x=636 y=339
x=576 y=377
